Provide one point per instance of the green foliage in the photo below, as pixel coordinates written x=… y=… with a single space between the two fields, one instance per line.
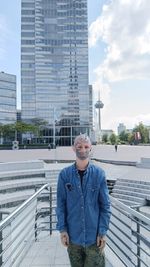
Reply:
x=143 y=133
x=105 y=138
x=123 y=136
x=131 y=138
x=113 y=138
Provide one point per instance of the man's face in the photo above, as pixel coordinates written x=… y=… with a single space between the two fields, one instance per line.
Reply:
x=82 y=150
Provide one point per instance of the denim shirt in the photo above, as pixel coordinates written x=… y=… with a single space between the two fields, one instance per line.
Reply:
x=83 y=211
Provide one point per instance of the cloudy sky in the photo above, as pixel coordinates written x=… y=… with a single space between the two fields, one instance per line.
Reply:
x=119 y=56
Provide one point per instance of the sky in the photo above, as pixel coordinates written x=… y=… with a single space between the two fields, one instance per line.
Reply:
x=119 y=57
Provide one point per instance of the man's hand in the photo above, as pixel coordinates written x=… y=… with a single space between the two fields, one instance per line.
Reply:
x=64 y=238
x=101 y=241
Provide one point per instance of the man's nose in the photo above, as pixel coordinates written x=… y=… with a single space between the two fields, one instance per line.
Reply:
x=83 y=149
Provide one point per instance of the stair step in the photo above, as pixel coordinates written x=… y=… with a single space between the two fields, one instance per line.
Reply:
x=132 y=189
x=129 y=197
x=9 y=199
x=128 y=202
x=130 y=193
x=6 y=186
x=132 y=185
x=134 y=181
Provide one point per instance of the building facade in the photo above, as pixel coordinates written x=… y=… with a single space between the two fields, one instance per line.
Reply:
x=7 y=98
x=54 y=63
x=121 y=128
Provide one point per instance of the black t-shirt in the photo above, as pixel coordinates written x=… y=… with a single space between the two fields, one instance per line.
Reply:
x=81 y=173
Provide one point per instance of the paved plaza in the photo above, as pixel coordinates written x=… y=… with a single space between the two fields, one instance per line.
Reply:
x=125 y=153
x=104 y=152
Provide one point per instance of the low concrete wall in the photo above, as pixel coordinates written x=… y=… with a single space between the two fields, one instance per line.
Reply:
x=21 y=165
x=144 y=163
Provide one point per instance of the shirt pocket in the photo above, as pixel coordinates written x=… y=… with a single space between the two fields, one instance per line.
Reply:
x=92 y=194
x=72 y=197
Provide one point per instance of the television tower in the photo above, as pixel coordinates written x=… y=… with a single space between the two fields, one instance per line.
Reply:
x=99 y=105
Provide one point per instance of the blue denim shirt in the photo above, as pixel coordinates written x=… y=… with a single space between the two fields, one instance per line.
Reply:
x=83 y=211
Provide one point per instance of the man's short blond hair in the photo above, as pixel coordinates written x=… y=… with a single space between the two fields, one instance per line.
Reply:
x=82 y=138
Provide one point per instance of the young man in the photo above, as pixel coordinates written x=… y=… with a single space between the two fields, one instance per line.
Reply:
x=83 y=208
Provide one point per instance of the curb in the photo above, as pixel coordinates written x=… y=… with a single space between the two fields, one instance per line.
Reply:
x=116 y=162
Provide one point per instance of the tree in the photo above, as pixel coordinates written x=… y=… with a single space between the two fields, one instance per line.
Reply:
x=105 y=138
x=39 y=125
x=113 y=138
x=123 y=136
x=144 y=134
x=131 y=138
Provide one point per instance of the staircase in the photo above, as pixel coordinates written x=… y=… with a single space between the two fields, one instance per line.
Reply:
x=131 y=192
x=18 y=181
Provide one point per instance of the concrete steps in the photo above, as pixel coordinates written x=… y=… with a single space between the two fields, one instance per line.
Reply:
x=18 y=181
x=131 y=188
x=131 y=192
x=20 y=184
x=15 y=198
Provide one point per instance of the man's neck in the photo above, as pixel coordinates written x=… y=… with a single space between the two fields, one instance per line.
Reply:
x=82 y=164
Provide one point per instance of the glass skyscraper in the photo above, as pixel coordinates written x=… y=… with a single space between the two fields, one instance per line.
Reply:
x=54 y=62
x=7 y=98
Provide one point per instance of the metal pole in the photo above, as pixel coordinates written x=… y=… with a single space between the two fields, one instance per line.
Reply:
x=138 y=243
x=1 y=244
x=71 y=136
x=50 y=207
x=54 y=142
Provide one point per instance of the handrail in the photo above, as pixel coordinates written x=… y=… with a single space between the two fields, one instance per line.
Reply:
x=128 y=235
x=130 y=210
x=19 y=230
x=21 y=207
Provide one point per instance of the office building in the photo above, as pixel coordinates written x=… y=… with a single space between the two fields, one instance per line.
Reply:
x=54 y=63
x=121 y=128
x=7 y=98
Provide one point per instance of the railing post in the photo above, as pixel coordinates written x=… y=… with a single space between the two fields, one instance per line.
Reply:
x=35 y=225
x=138 y=242
x=36 y=217
x=50 y=209
x=1 y=239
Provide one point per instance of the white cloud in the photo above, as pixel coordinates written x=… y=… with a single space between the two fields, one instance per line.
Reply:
x=124 y=26
x=129 y=121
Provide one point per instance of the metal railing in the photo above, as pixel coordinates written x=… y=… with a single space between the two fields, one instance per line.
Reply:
x=128 y=236
x=19 y=230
